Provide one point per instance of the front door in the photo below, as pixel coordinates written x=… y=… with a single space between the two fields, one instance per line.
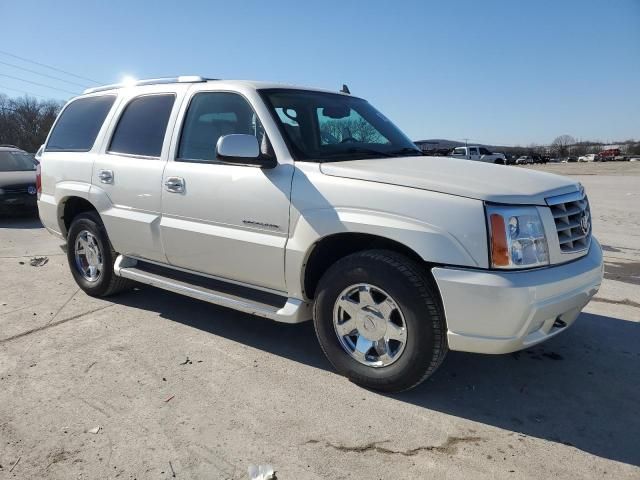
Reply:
x=229 y=221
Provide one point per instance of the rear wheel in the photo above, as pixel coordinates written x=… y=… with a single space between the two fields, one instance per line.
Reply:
x=91 y=257
x=379 y=320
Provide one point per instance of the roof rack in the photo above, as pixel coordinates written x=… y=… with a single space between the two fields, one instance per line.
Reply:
x=150 y=81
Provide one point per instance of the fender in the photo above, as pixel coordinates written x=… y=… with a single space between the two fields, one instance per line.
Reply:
x=440 y=228
x=431 y=243
x=51 y=206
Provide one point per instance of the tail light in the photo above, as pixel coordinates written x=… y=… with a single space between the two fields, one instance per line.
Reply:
x=38 y=180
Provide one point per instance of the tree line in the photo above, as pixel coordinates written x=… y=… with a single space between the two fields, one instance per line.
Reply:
x=25 y=121
x=567 y=146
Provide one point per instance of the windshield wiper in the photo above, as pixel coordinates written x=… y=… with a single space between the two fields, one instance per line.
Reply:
x=407 y=150
x=370 y=152
x=345 y=154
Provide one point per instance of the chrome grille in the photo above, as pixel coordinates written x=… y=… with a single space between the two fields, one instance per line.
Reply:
x=572 y=216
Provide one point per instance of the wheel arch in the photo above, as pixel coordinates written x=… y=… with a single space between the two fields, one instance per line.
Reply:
x=331 y=248
x=69 y=208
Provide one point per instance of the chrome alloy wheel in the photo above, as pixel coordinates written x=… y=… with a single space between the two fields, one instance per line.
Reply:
x=369 y=325
x=89 y=260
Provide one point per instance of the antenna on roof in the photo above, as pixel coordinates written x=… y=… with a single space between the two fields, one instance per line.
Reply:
x=345 y=89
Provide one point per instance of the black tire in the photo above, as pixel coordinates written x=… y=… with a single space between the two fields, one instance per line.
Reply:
x=108 y=283
x=415 y=293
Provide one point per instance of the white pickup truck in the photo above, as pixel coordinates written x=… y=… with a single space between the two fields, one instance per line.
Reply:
x=479 y=154
x=294 y=204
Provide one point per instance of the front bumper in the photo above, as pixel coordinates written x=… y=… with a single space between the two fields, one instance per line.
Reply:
x=502 y=312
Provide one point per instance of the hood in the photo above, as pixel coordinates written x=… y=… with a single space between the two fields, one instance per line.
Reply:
x=464 y=178
x=17 y=179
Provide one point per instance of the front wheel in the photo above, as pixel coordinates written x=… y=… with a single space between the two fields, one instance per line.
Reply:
x=379 y=321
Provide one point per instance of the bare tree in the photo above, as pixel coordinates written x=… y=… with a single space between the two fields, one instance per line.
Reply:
x=560 y=146
x=25 y=122
x=335 y=131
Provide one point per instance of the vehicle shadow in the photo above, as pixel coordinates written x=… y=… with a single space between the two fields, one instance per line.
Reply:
x=580 y=388
x=21 y=221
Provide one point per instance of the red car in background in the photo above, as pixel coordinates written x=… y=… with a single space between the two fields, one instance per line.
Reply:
x=608 y=155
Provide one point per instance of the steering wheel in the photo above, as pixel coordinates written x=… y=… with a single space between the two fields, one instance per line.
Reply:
x=348 y=140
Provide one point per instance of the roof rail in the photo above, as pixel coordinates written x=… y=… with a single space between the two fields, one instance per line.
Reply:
x=6 y=145
x=150 y=81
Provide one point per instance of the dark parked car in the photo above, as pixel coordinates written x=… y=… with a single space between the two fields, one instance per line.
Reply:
x=17 y=180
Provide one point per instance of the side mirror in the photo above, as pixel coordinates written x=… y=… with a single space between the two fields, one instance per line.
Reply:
x=242 y=149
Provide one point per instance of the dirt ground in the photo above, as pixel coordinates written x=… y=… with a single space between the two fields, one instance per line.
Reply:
x=589 y=168
x=151 y=385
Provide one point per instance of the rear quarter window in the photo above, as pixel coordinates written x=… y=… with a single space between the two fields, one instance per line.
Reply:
x=78 y=126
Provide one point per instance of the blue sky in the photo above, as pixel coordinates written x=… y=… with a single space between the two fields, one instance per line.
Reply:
x=508 y=72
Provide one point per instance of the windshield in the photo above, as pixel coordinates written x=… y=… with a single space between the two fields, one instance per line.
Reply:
x=328 y=127
x=16 y=162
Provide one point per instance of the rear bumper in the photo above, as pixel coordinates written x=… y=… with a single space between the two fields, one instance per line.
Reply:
x=10 y=203
x=502 y=312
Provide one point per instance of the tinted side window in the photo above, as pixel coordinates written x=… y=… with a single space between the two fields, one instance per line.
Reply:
x=142 y=125
x=212 y=115
x=79 y=124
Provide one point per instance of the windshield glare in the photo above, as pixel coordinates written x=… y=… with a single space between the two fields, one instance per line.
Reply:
x=323 y=127
x=16 y=162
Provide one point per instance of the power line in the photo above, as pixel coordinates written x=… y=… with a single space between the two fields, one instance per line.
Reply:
x=49 y=66
x=22 y=91
x=43 y=74
x=38 y=84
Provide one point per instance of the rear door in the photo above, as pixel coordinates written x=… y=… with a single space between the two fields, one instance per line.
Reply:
x=127 y=175
x=224 y=220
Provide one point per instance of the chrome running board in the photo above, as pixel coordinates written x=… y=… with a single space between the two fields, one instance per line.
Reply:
x=293 y=310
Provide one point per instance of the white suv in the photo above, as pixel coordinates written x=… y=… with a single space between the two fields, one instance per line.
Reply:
x=294 y=203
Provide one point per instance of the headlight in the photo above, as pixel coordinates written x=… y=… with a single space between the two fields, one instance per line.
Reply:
x=517 y=237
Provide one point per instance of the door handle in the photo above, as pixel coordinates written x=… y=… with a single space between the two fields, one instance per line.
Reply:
x=105 y=176
x=174 y=184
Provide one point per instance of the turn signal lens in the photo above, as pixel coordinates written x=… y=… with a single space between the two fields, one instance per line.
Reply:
x=499 y=248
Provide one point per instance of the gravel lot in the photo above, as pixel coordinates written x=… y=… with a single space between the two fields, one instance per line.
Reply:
x=183 y=389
